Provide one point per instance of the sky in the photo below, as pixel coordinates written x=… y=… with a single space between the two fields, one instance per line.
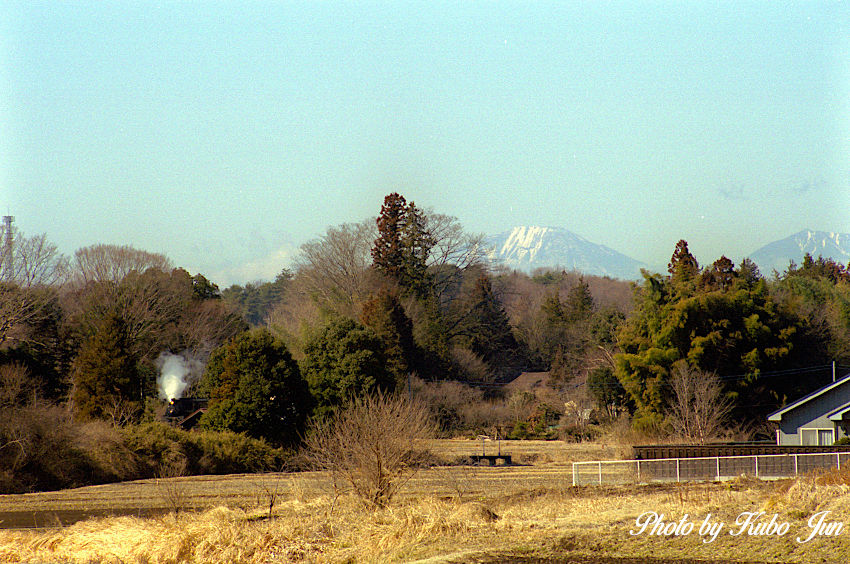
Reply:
x=226 y=134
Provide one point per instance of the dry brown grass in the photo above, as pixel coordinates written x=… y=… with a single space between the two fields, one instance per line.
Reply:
x=527 y=510
x=500 y=513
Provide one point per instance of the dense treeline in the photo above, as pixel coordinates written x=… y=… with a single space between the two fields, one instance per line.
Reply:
x=735 y=324
x=406 y=302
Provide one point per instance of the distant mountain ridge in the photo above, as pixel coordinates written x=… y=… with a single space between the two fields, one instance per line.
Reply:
x=778 y=254
x=528 y=247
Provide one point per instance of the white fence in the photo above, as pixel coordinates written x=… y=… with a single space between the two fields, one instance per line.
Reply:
x=703 y=469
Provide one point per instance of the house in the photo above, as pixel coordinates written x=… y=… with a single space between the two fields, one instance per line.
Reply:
x=818 y=419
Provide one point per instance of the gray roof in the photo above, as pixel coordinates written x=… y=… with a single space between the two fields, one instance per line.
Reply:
x=777 y=415
x=838 y=414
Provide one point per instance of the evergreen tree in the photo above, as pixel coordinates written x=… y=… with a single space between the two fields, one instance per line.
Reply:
x=342 y=361
x=203 y=289
x=387 y=252
x=579 y=305
x=488 y=330
x=401 y=250
x=748 y=273
x=728 y=330
x=604 y=325
x=683 y=267
x=825 y=303
x=256 y=301
x=720 y=275
x=385 y=315
x=568 y=329
x=820 y=268
x=606 y=390
x=105 y=374
x=254 y=387
x=553 y=310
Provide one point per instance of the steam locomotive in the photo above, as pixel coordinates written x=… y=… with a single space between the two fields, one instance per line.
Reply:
x=185 y=412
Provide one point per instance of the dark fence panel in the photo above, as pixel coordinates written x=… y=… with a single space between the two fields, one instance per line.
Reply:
x=648 y=452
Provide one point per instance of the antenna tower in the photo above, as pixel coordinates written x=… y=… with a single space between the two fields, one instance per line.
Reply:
x=6 y=270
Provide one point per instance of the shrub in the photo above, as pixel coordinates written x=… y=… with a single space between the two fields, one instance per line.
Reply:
x=579 y=433
x=163 y=449
x=520 y=431
x=373 y=445
x=42 y=447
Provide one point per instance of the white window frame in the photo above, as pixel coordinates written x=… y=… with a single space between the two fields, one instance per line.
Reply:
x=816 y=431
x=832 y=434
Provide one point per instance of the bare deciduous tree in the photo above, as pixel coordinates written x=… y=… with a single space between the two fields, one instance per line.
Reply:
x=520 y=402
x=30 y=271
x=140 y=286
x=699 y=408
x=373 y=446
x=148 y=303
x=454 y=252
x=154 y=305
x=293 y=317
x=111 y=263
x=208 y=324
x=452 y=245
x=335 y=267
x=16 y=386
x=33 y=261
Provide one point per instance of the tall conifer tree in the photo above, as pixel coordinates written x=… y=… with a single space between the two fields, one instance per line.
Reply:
x=105 y=371
x=401 y=250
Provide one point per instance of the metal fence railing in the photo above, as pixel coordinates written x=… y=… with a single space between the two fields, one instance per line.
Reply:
x=703 y=469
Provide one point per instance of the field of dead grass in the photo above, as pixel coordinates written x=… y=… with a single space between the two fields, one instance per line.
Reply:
x=444 y=514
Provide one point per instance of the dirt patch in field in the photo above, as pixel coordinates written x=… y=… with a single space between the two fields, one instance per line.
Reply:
x=62 y=518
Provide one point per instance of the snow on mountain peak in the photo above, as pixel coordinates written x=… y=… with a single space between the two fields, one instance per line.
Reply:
x=530 y=247
x=778 y=254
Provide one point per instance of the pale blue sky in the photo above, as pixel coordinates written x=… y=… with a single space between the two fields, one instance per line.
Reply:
x=226 y=134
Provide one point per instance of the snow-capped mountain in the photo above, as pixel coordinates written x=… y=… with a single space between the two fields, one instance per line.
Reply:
x=526 y=248
x=777 y=255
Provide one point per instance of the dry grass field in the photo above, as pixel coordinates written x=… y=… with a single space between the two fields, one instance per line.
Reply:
x=528 y=513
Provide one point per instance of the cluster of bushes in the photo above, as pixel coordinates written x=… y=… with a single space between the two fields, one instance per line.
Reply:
x=165 y=450
x=462 y=410
x=43 y=448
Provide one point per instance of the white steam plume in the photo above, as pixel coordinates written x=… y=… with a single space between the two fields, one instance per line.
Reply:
x=176 y=372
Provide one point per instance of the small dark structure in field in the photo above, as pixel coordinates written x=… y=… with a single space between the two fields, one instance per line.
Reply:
x=491 y=459
x=185 y=412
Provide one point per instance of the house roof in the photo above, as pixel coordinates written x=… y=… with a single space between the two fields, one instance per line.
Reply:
x=838 y=414
x=777 y=415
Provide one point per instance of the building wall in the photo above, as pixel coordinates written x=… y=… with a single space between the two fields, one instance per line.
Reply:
x=813 y=415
